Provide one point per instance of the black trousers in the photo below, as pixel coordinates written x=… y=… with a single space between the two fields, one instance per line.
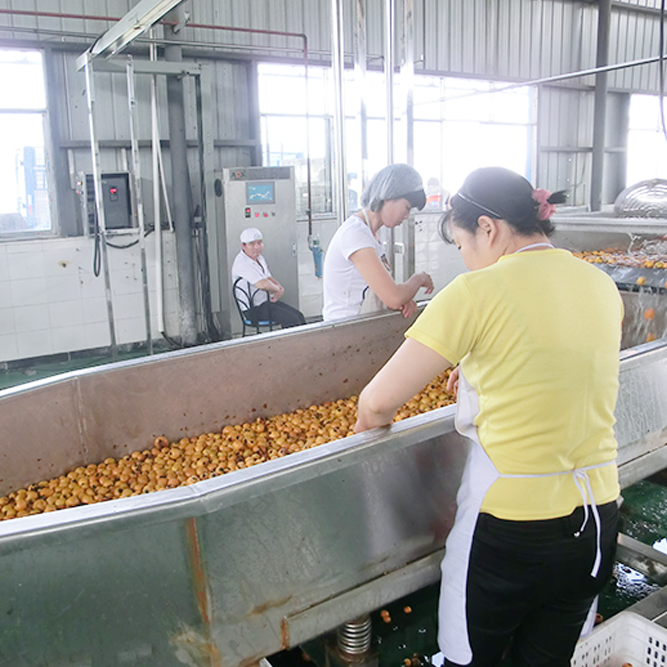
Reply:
x=281 y=313
x=530 y=587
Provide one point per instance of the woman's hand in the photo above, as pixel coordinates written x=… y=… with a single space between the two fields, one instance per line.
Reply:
x=408 y=371
x=453 y=381
x=427 y=282
x=409 y=309
x=394 y=296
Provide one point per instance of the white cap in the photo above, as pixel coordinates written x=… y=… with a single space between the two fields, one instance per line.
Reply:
x=251 y=234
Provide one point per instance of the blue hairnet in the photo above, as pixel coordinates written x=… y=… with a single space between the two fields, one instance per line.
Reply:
x=394 y=182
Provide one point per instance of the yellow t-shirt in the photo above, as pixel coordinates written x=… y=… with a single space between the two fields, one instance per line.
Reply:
x=538 y=336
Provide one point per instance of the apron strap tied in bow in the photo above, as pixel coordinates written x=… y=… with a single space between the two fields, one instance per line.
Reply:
x=583 y=484
x=579 y=476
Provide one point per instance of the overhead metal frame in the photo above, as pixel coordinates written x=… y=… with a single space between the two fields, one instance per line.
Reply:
x=130 y=67
x=137 y=21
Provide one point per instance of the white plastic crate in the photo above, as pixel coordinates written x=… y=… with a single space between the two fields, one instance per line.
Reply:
x=624 y=638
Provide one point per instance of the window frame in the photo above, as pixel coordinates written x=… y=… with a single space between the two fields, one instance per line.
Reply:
x=43 y=113
x=447 y=91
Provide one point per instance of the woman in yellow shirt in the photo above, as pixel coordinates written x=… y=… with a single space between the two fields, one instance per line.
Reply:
x=536 y=336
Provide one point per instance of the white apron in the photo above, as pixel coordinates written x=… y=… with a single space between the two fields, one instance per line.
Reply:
x=478 y=476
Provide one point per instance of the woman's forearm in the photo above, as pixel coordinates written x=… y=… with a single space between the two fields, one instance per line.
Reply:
x=393 y=295
x=411 y=368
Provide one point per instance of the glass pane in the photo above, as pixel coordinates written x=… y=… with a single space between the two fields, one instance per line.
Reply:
x=21 y=80
x=512 y=106
x=282 y=89
x=465 y=105
x=469 y=145
x=428 y=160
x=353 y=161
x=427 y=98
x=376 y=94
x=506 y=146
x=373 y=90
x=284 y=142
x=24 y=199
x=647 y=149
x=472 y=122
x=644 y=112
x=377 y=146
x=647 y=156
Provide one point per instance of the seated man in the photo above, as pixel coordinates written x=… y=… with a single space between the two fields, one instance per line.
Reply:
x=251 y=266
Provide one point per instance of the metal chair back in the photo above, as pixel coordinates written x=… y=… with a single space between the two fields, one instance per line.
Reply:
x=245 y=294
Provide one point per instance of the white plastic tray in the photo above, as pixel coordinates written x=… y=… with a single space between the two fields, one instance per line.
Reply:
x=626 y=638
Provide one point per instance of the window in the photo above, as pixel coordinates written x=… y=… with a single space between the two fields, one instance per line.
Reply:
x=459 y=125
x=24 y=195
x=285 y=142
x=647 y=145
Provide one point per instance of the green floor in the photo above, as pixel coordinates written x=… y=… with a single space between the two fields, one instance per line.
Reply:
x=404 y=632
x=45 y=368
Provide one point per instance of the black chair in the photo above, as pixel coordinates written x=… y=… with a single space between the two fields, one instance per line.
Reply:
x=244 y=295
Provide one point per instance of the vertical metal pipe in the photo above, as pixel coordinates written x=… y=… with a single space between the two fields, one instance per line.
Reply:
x=309 y=179
x=360 y=80
x=204 y=106
x=254 y=115
x=337 y=61
x=405 y=233
x=138 y=196
x=389 y=24
x=61 y=170
x=180 y=179
x=408 y=77
x=155 y=153
x=600 y=109
x=99 y=202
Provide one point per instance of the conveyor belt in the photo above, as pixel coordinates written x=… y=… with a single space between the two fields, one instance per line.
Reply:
x=636 y=279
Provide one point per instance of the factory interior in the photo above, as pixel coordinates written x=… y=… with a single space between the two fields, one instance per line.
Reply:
x=214 y=506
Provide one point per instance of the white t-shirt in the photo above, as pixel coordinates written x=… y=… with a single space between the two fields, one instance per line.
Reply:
x=251 y=271
x=343 y=285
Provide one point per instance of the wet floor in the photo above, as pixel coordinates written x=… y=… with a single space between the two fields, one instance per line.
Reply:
x=38 y=369
x=644 y=517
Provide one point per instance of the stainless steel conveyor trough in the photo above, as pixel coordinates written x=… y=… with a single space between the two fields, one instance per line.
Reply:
x=235 y=568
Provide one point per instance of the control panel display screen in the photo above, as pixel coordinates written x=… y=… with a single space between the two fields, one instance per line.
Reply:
x=261 y=193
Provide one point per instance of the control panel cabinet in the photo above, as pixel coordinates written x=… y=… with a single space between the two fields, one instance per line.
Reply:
x=262 y=197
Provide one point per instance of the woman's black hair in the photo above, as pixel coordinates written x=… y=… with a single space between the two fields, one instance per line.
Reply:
x=501 y=194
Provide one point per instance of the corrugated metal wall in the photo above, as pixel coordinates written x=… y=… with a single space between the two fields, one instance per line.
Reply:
x=508 y=40
x=494 y=39
x=565 y=135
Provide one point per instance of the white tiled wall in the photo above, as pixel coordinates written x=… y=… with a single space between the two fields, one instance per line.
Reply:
x=51 y=301
x=442 y=261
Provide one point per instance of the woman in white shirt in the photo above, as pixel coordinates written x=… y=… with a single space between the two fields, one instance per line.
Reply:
x=354 y=265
